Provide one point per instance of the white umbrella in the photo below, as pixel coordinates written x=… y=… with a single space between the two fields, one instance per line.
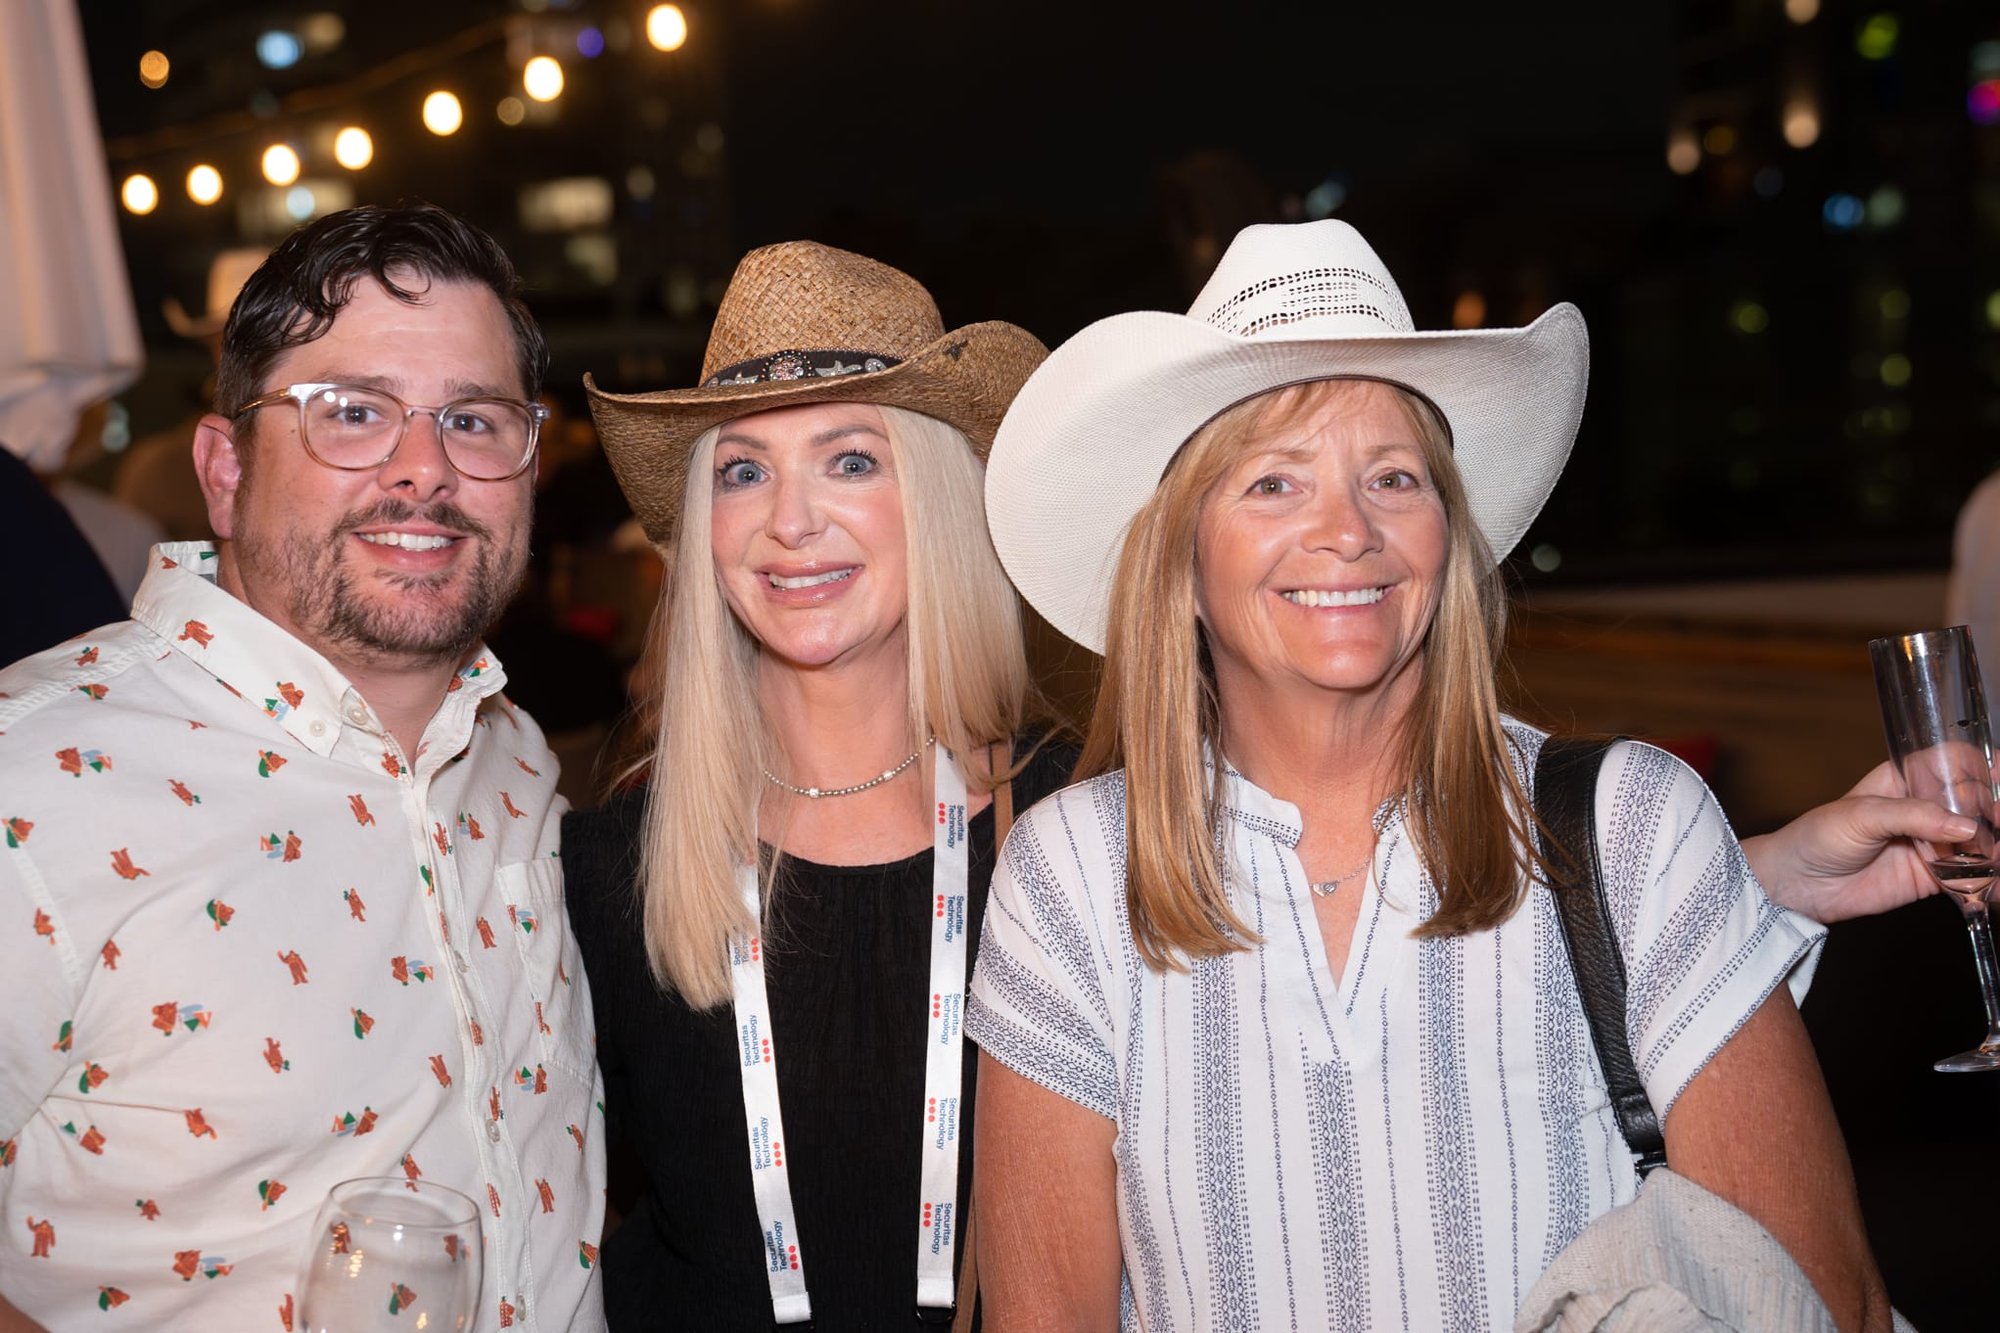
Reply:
x=69 y=335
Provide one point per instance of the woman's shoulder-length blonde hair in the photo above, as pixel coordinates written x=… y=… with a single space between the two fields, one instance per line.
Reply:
x=968 y=686
x=1157 y=715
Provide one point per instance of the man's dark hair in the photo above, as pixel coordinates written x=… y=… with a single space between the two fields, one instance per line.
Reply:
x=294 y=296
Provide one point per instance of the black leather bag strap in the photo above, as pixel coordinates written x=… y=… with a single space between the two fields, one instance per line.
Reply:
x=1565 y=805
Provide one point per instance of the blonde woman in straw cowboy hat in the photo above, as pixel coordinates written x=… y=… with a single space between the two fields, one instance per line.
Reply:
x=1278 y=1026
x=778 y=924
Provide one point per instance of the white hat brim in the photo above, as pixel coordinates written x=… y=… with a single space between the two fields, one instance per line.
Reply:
x=1088 y=437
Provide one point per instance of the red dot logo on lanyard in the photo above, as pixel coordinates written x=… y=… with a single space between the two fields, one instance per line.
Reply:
x=766 y=1045
x=940 y=812
x=940 y=905
x=937 y=1005
x=930 y=1116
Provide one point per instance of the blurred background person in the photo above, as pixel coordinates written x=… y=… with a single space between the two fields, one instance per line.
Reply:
x=156 y=473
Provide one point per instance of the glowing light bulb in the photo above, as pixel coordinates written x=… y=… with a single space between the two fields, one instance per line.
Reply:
x=153 y=69
x=442 y=113
x=666 y=27
x=353 y=148
x=204 y=184
x=139 y=194
x=542 y=78
x=281 y=164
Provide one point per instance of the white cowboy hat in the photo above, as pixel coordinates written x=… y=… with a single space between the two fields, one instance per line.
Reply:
x=1091 y=432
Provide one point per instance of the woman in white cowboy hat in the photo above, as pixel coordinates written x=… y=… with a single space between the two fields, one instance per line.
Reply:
x=1276 y=1015
x=778 y=925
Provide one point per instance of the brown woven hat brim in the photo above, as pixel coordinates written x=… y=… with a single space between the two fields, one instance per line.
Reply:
x=965 y=379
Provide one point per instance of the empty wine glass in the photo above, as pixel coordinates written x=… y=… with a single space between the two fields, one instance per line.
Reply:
x=1934 y=714
x=391 y=1254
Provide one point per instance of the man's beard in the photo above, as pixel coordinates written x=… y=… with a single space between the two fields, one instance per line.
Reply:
x=412 y=618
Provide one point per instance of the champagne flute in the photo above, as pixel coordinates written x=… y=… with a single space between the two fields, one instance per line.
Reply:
x=1934 y=714
x=391 y=1254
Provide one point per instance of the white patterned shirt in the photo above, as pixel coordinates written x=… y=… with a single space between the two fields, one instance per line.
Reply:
x=1407 y=1147
x=250 y=949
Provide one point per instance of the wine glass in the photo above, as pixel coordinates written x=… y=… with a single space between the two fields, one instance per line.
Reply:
x=1935 y=716
x=391 y=1254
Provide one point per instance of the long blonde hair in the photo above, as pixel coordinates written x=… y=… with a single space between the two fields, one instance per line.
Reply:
x=1157 y=709
x=968 y=685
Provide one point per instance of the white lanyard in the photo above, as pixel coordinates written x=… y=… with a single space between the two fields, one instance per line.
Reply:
x=770 y=1169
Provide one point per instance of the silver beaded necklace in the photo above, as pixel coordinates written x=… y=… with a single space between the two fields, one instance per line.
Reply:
x=820 y=793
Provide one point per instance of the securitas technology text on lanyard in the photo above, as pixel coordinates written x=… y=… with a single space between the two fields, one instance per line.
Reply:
x=770 y=1170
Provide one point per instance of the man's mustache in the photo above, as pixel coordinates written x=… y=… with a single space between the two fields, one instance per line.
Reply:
x=443 y=514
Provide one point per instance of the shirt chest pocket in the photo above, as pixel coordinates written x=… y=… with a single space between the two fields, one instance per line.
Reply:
x=538 y=921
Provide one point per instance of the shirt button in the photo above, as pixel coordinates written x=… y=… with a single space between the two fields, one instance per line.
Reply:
x=493 y=1130
x=318 y=728
x=358 y=715
x=458 y=960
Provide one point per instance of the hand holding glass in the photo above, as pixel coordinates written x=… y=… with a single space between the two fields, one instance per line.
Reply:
x=1934 y=714
x=391 y=1254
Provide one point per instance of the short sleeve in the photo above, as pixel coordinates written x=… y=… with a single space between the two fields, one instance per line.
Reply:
x=38 y=971
x=1703 y=946
x=1039 y=993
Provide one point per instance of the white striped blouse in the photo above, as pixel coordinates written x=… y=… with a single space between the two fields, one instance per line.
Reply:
x=1407 y=1147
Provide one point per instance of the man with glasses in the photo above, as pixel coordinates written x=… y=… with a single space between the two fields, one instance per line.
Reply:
x=279 y=903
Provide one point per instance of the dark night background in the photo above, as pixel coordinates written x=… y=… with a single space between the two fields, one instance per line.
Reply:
x=1051 y=164
x=1796 y=345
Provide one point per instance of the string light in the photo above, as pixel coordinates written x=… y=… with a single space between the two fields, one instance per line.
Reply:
x=353 y=148
x=281 y=164
x=139 y=194
x=442 y=113
x=542 y=78
x=666 y=27
x=204 y=184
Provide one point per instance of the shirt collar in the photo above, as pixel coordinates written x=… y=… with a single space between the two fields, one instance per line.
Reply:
x=257 y=661
x=1251 y=806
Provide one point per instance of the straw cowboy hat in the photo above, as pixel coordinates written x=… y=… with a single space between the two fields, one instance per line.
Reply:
x=227 y=273
x=805 y=323
x=1092 y=432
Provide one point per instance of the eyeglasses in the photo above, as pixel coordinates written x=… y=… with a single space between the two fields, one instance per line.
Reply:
x=356 y=429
